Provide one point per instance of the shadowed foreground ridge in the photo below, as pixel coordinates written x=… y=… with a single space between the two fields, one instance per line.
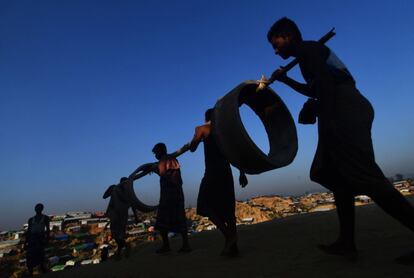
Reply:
x=281 y=248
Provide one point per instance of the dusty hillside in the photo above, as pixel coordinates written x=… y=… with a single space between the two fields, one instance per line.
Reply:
x=260 y=209
x=244 y=210
x=278 y=248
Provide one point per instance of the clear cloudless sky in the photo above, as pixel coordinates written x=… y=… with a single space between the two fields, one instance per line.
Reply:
x=88 y=87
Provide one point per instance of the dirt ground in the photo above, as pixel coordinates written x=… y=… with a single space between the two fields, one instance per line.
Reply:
x=280 y=248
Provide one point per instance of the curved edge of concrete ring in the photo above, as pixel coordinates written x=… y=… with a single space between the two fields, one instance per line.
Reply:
x=135 y=201
x=234 y=140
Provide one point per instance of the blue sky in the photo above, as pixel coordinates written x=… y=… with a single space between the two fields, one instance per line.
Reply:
x=88 y=87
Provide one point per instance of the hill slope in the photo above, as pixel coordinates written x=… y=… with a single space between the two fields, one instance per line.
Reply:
x=280 y=248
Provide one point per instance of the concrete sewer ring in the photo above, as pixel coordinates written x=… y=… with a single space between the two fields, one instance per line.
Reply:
x=233 y=139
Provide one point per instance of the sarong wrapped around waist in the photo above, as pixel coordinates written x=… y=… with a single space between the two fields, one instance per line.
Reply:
x=171 y=213
x=344 y=159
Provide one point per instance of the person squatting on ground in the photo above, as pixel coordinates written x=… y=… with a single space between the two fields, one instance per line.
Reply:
x=37 y=237
x=117 y=212
x=344 y=161
x=216 y=199
x=171 y=213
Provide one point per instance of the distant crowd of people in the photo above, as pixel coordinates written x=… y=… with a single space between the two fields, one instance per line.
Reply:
x=344 y=161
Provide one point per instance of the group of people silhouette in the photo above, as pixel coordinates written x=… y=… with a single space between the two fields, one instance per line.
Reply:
x=344 y=161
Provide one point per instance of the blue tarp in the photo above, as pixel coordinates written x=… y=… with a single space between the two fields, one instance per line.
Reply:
x=61 y=237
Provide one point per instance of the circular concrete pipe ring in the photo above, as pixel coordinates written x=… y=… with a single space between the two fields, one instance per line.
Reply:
x=129 y=190
x=137 y=203
x=233 y=139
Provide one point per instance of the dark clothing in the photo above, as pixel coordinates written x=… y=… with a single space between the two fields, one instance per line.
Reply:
x=386 y=197
x=36 y=239
x=337 y=70
x=216 y=193
x=171 y=213
x=344 y=160
x=122 y=198
x=35 y=251
x=117 y=210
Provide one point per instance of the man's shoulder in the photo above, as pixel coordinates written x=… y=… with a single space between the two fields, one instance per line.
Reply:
x=311 y=47
x=312 y=52
x=168 y=158
x=308 y=44
x=204 y=126
x=203 y=129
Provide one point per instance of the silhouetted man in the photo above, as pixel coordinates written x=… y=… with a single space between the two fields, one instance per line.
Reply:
x=216 y=199
x=171 y=213
x=344 y=161
x=117 y=212
x=37 y=236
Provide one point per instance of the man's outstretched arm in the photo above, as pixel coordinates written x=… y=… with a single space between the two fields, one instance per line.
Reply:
x=181 y=150
x=142 y=170
x=301 y=88
x=200 y=133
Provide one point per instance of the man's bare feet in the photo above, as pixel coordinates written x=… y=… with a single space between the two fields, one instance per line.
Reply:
x=340 y=249
x=230 y=248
